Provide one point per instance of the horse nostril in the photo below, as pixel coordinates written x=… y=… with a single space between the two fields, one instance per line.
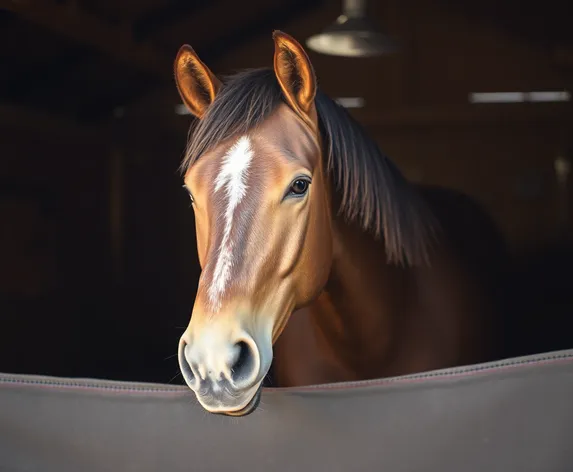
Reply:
x=186 y=370
x=243 y=367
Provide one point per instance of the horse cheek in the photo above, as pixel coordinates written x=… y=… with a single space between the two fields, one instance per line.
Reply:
x=316 y=259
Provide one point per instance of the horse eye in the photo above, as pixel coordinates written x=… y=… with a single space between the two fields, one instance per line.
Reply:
x=299 y=187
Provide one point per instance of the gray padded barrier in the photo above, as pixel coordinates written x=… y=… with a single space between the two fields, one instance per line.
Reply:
x=509 y=416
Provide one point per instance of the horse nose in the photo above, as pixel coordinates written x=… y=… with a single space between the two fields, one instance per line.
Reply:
x=211 y=364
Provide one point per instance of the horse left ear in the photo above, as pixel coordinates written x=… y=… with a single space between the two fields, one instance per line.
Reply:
x=296 y=76
x=196 y=84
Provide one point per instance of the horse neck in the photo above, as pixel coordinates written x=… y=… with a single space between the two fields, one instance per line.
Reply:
x=355 y=315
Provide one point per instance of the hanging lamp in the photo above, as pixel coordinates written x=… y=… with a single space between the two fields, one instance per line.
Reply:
x=352 y=35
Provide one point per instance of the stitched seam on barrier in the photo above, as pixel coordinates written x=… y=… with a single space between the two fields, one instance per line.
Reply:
x=92 y=386
x=459 y=372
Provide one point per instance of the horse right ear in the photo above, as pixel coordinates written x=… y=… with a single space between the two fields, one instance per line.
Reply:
x=296 y=77
x=196 y=84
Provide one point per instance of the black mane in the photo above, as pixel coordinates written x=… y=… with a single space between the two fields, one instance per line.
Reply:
x=373 y=191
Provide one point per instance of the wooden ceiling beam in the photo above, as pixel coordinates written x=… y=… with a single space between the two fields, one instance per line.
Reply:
x=166 y=16
x=114 y=41
x=206 y=26
x=258 y=50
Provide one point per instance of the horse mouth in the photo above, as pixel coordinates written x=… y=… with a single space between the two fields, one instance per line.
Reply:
x=248 y=408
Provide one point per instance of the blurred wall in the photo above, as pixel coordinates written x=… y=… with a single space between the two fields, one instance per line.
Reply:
x=417 y=108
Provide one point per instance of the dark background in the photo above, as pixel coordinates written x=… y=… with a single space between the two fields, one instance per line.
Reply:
x=98 y=265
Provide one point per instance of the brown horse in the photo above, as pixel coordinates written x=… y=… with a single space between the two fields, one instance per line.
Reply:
x=298 y=213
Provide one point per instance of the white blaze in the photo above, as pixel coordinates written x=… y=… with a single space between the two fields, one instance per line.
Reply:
x=232 y=178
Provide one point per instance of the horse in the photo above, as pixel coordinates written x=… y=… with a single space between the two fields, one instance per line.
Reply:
x=320 y=262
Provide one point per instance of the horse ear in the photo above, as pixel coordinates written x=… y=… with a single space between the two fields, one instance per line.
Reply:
x=196 y=84
x=296 y=76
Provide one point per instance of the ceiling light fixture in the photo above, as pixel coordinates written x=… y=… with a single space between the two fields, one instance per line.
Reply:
x=352 y=35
